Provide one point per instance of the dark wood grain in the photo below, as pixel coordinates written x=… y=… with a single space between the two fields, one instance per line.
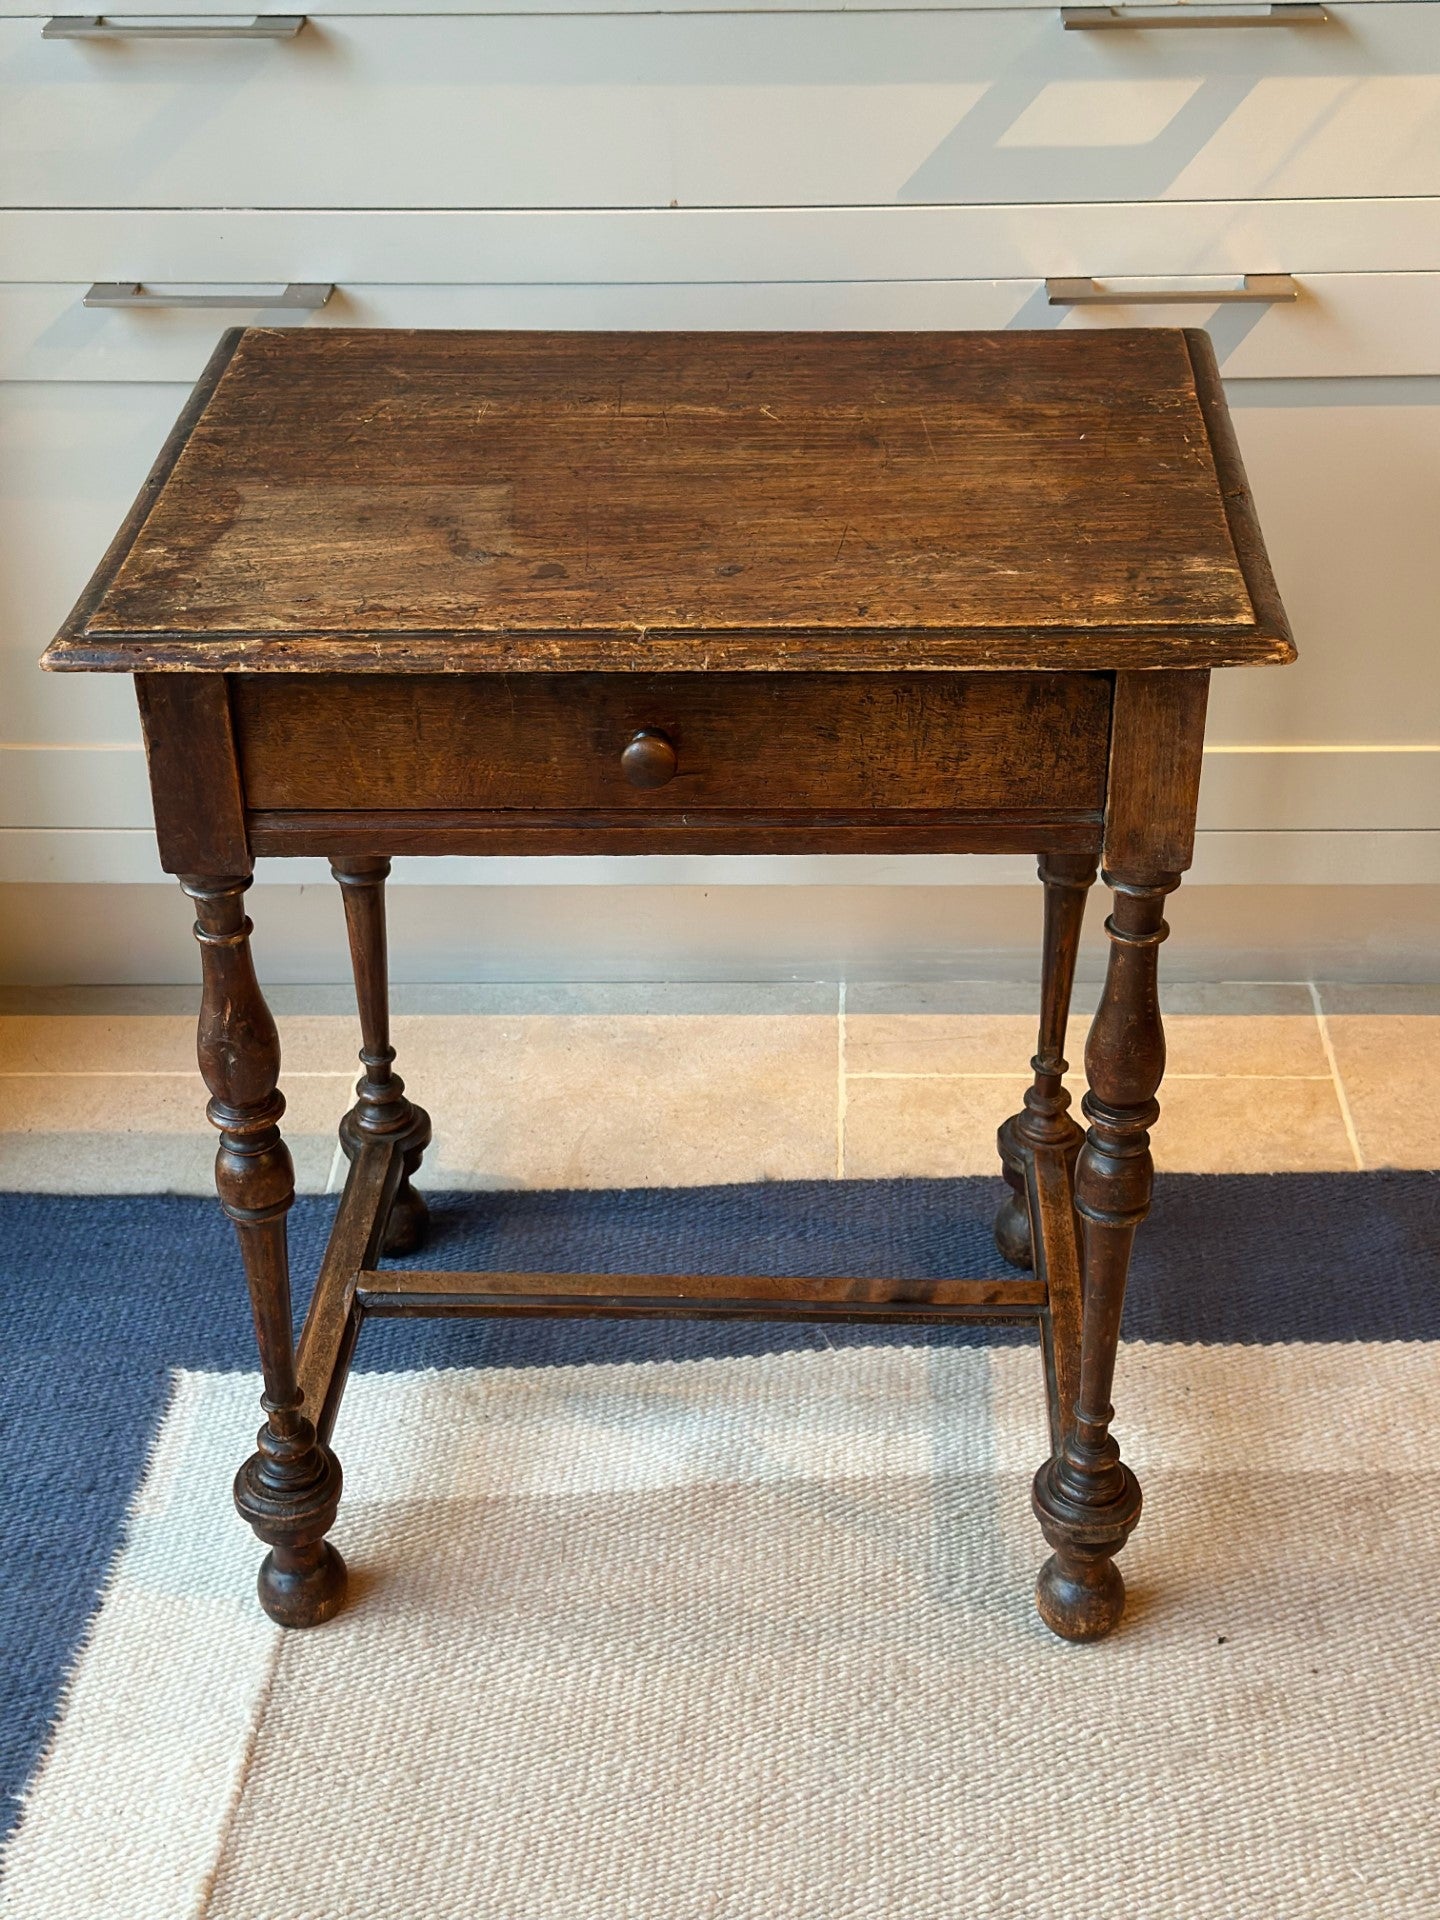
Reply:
x=841 y=743
x=694 y=1296
x=1085 y=1497
x=1235 y=491
x=1156 y=745
x=1044 y=1121
x=358 y=831
x=194 y=773
x=150 y=489
x=332 y=1320
x=466 y=502
x=1050 y=1192
x=289 y=1488
x=448 y=594
x=381 y=1110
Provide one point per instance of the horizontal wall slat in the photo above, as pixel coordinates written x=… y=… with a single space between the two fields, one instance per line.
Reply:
x=64 y=935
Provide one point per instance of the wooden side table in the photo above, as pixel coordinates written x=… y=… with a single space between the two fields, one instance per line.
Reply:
x=462 y=593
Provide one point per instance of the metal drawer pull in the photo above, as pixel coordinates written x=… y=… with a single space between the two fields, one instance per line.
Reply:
x=1285 y=13
x=134 y=293
x=1255 y=287
x=101 y=26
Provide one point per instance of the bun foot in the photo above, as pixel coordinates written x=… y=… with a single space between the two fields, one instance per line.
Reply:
x=308 y=1590
x=1083 y=1601
x=408 y=1223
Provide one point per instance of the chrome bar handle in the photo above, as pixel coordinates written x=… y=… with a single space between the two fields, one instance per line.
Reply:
x=134 y=293
x=1284 y=13
x=102 y=26
x=1267 y=288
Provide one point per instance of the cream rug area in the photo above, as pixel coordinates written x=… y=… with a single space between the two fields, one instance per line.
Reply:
x=752 y=1639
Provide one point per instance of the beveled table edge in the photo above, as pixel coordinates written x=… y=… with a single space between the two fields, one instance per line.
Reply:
x=690 y=650
x=866 y=650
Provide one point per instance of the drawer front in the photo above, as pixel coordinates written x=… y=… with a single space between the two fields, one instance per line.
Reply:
x=723 y=110
x=636 y=247
x=1341 y=324
x=834 y=744
x=200 y=10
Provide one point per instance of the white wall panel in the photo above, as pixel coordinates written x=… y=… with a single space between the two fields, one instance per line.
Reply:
x=127 y=857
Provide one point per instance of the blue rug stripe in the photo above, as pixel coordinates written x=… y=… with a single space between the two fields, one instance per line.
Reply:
x=103 y=1297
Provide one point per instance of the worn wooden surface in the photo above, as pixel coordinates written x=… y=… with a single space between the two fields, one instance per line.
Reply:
x=332 y=1319
x=694 y=1296
x=381 y=1110
x=504 y=834
x=1157 y=742
x=463 y=502
x=403 y=518
x=289 y=1488
x=1044 y=1121
x=194 y=773
x=831 y=743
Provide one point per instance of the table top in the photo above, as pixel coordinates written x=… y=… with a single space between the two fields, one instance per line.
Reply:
x=384 y=501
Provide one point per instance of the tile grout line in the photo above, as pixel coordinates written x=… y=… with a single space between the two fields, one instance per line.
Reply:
x=140 y=1073
x=1345 y=1114
x=877 y=1074
x=841 y=1079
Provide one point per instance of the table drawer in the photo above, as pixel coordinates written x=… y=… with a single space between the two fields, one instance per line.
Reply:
x=723 y=110
x=782 y=742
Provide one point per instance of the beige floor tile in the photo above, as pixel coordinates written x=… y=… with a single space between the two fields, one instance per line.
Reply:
x=159 y=1043
x=1251 y=1043
x=925 y=1129
x=934 y=1128
x=1379 y=1057
x=623 y=1100
x=103 y=1133
x=1001 y=1043
x=1251 y=1126
x=97 y=1043
x=995 y=1043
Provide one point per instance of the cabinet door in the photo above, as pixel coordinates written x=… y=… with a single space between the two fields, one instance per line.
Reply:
x=724 y=110
x=71 y=460
x=1342 y=324
x=1346 y=477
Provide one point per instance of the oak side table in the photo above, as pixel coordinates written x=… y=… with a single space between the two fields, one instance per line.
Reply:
x=527 y=593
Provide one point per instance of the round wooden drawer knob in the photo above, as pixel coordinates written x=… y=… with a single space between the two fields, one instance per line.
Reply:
x=649 y=760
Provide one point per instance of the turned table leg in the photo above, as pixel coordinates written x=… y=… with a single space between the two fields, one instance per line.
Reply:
x=381 y=1110
x=1045 y=1120
x=289 y=1488
x=1086 y=1499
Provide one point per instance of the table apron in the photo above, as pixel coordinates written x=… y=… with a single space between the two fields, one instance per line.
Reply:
x=361 y=832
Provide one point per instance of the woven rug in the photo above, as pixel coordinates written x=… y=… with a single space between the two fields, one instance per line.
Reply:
x=732 y=1623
